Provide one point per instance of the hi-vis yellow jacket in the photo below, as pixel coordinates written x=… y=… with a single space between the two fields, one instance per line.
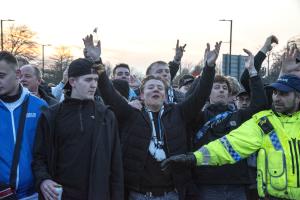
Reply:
x=276 y=137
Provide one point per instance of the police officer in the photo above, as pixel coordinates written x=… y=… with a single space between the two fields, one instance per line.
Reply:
x=274 y=133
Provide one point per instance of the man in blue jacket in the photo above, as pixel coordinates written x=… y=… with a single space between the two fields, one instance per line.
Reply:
x=12 y=97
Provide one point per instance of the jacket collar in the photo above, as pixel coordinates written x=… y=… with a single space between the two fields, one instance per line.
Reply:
x=13 y=105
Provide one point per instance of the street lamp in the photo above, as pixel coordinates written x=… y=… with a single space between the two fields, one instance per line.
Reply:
x=43 y=58
x=230 y=41
x=3 y=20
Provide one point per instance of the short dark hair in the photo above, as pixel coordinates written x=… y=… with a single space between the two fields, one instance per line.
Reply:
x=154 y=64
x=151 y=77
x=123 y=65
x=9 y=58
x=222 y=79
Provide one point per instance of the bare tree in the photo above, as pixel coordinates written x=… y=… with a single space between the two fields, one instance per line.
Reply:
x=275 y=68
x=20 y=40
x=62 y=57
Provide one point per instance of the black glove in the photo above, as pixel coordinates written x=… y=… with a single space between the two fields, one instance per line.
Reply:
x=187 y=160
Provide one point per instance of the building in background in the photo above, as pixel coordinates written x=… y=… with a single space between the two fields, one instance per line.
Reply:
x=237 y=65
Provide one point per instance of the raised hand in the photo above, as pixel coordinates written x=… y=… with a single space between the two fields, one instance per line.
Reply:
x=268 y=44
x=210 y=57
x=91 y=51
x=134 y=82
x=179 y=52
x=65 y=75
x=289 y=63
x=249 y=64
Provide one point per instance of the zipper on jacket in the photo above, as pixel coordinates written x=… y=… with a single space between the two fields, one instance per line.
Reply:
x=166 y=139
x=297 y=161
x=165 y=136
x=80 y=118
x=292 y=155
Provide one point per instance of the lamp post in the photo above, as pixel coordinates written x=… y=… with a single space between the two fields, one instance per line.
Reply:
x=230 y=41
x=43 y=58
x=3 y=20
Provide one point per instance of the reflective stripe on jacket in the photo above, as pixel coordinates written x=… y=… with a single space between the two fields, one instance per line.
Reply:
x=278 y=161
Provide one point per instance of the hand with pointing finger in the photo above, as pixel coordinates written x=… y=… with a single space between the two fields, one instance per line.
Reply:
x=179 y=52
x=249 y=64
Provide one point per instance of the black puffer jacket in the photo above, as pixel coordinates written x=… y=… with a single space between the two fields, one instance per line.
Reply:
x=135 y=129
x=49 y=99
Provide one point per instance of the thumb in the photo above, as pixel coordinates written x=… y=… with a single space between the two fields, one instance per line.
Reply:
x=99 y=44
x=247 y=52
x=274 y=39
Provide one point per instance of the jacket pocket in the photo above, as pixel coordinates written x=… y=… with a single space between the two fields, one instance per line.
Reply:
x=277 y=170
x=261 y=172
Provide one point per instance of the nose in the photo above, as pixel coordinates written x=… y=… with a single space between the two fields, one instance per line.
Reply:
x=94 y=84
x=156 y=89
x=276 y=97
x=22 y=79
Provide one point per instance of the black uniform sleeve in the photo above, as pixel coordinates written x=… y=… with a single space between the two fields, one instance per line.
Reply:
x=174 y=67
x=258 y=60
x=193 y=104
x=40 y=153
x=110 y=97
x=258 y=101
x=193 y=86
x=116 y=178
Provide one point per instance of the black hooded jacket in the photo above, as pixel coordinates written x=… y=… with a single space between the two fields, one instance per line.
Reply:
x=135 y=129
x=56 y=156
x=49 y=99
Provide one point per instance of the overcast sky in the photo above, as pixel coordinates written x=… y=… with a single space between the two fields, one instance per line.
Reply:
x=139 y=32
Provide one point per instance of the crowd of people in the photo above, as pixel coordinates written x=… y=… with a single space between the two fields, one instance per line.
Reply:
x=113 y=138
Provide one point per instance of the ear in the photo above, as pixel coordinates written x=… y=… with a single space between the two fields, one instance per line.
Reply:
x=297 y=96
x=39 y=81
x=72 y=81
x=18 y=73
x=210 y=99
x=142 y=96
x=165 y=94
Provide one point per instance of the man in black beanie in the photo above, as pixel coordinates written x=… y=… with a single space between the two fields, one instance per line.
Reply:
x=185 y=83
x=77 y=144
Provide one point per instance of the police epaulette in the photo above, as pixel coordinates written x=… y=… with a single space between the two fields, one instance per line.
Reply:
x=265 y=125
